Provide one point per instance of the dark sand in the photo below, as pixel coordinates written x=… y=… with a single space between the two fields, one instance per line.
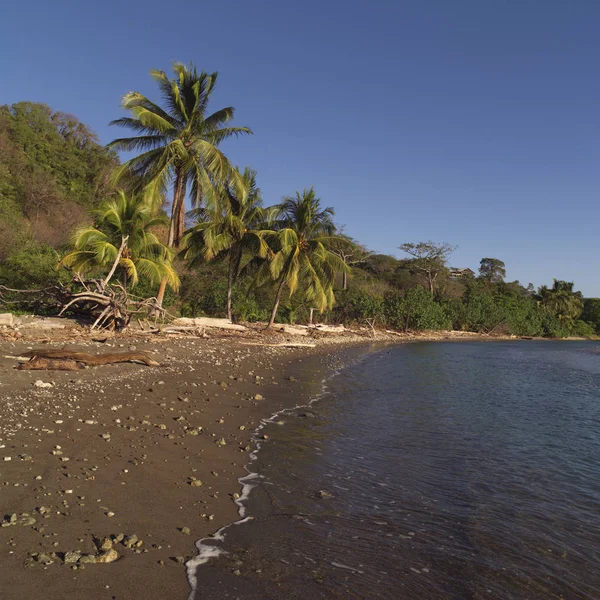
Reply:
x=61 y=463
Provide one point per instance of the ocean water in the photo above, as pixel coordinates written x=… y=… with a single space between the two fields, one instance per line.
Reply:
x=427 y=471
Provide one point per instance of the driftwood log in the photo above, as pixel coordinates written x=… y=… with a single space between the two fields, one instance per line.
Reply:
x=68 y=360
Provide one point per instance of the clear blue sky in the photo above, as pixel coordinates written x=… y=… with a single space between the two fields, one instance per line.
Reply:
x=474 y=122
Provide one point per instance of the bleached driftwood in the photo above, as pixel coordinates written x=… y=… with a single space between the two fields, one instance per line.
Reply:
x=329 y=328
x=208 y=322
x=292 y=329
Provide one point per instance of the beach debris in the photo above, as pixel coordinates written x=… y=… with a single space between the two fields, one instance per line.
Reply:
x=221 y=442
x=6 y=320
x=49 y=359
x=42 y=384
x=259 y=397
x=185 y=530
x=208 y=322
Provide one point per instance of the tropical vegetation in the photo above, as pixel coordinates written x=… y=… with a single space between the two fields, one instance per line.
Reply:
x=177 y=222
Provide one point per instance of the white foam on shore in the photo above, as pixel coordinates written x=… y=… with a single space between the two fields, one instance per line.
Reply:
x=207 y=549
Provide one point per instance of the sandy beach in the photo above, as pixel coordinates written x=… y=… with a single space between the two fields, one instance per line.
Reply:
x=128 y=450
x=132 y=464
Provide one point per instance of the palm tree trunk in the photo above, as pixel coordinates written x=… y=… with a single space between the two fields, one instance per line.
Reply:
x=230 y=286
x=176 y=225
x=276 y=305
x=344 y=280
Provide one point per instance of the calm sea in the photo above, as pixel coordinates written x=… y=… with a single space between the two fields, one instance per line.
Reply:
x=429 y=471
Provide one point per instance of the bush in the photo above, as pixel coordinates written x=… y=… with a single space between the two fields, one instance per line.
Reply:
x=415 y=309
x=583 y=329
x=355 y=306
x=33 y=266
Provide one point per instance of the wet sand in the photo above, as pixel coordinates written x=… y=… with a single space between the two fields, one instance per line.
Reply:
x=120 y=449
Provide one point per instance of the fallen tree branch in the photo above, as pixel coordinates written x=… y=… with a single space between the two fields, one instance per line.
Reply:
x=85 y=359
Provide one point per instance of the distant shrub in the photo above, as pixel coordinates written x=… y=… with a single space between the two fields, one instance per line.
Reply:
x=355 y=306
x=583 y=329
x=415 y=309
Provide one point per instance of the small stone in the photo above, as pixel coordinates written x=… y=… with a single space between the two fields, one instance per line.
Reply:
x=41 y=384
x=221 y=442
x=179 y=559
x=130 y=541
x=87 y=558
x=108 y=557
x=72 y=557
x=185 y=530
x=105 y=545
x=259 y=397
x=196 y=483
x=46 y=558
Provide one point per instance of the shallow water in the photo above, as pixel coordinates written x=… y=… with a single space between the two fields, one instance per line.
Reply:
x=430 y=471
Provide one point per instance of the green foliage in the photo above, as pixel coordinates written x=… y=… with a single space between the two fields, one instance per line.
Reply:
x=208 y=297
x=178 y=143
x=300 y=255
x=33 y=266
x=492 y=270
x=562 y=302
x=415 y=309
x=356 y=306
x=583 y=329
x=591 y=312
x=123 y=239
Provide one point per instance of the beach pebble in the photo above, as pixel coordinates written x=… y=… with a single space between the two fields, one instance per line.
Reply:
x=71 y=557
x=185 y=530
x=108 y=557
x=42 y=384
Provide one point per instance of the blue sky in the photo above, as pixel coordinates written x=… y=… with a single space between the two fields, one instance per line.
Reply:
x=473 y=122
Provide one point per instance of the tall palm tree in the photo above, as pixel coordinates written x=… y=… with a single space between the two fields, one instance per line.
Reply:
x=564 y=303
x=122 y=241
x=178 y=143
x=302 y=236
x=231 y=229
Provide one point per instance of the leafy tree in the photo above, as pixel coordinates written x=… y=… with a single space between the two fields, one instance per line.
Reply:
x=232 y=229
x=357 y=306
x=562 y=302
x=591 y=312
x=178 y=143
x=492 y=270
x=430 y=259
x=123 y=241
x=301 y=255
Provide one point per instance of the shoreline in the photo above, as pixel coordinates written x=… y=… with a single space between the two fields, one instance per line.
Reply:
x=210 y=548
x=117 y=449
x=151 y=452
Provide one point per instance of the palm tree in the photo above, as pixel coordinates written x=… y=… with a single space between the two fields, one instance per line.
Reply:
x=231 y=229
x=564 y=303
x=123 y=240
x=178 y=143
x=302 y=258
